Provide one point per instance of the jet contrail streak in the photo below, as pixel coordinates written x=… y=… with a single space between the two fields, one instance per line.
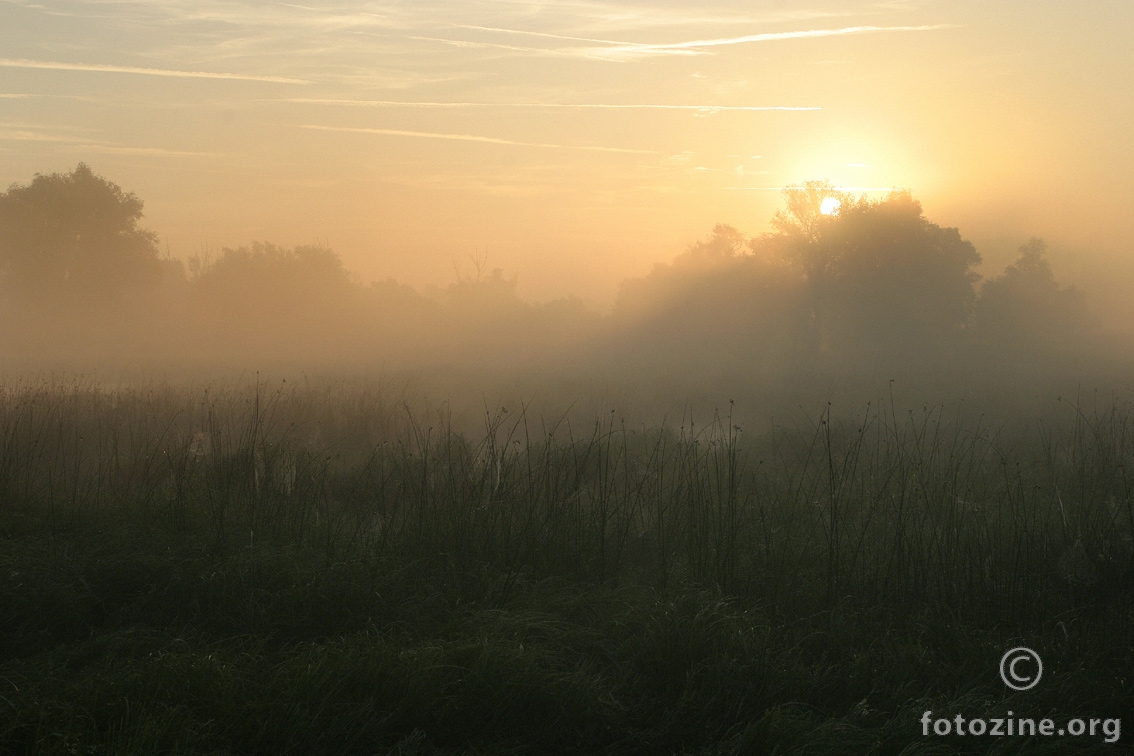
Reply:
x=469 y=138
x=564 y=106
x=98 y=67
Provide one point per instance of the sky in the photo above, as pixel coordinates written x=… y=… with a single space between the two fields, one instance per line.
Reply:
x=574 y=144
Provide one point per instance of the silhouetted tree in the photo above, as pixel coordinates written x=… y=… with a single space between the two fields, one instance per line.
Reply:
x=904 y=283
x=716 y=303
x=724 y=244
x=275 y=298
x=672 y=286
x=264 y=304
x=485 y=321
x=803 y=236
x=289 y=275
x=878 y=275
x=74 y=237
x=481 y=297
x=1024 y=308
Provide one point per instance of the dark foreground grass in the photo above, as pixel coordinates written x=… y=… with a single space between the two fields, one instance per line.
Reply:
x=189 y=575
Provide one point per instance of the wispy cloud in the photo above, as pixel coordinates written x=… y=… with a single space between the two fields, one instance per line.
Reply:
x=836 y=188
x=555 y=52
x=697 y=46
x=622 y=51
x=623 y=16
x=470 y=138
x=866 y=188
x=59 y=66
x=86 y=145
x=704 y=109
x=546 y=35
x=31 y=96
x=41 y=127
x=31 y=136
x=121 y=149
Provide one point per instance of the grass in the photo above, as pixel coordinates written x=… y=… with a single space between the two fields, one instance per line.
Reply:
x=255 y=571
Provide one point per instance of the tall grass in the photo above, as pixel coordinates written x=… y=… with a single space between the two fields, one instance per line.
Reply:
x=319 y=569
x=893 y=506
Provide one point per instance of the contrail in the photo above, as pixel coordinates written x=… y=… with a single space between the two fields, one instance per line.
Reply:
x=495 y=46
x=541 y=34
x=566 y=106
x=94 y=146
x=58 y=66
x=470 y=138
x=836 y=188
x=765 y=37
x=693 y=47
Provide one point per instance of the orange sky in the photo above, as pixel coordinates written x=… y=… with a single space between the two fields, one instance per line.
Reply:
x=577 y=143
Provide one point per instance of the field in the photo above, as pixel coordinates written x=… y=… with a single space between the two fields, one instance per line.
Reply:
x=322 y=569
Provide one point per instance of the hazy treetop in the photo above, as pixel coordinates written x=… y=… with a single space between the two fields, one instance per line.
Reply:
x=74 y=233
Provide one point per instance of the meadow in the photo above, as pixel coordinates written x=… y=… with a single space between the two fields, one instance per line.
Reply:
x=269 y=568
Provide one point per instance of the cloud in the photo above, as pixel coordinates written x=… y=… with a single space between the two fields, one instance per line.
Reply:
x=228 y=13
x=696 y=47
x=119 y=149
x=541 y=34
x=58 y=66
x=836 y=188
x=703 y=109
x=622 y=51
x=469 y=138
x=620 y=16
x=32 y=136
x=12 y=127
x=86 y=145
x=31 y=96
x=495 y=46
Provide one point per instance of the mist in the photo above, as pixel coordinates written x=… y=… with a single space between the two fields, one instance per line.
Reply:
x=252 y=487
x=843 y=297
x=623 y=377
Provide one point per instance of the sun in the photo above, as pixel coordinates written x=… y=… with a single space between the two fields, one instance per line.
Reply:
x=830 y=206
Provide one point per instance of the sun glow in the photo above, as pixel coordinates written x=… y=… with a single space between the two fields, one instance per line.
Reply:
x=830 y=206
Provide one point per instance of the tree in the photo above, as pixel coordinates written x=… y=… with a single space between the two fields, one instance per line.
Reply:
x=905 y=283
x=684 y=281
x=803 y=237
x=291 y=276
x=879 y=275
x=1026 y=308
x=716 y=303
x=74 y=237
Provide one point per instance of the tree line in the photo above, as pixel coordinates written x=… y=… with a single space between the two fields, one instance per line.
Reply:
x=869 y=280
x=837 y=277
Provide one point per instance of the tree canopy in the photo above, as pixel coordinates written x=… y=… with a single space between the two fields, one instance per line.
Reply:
x=1026 y=308
x=877 y=274
x=837 y=280
x=74 y=236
